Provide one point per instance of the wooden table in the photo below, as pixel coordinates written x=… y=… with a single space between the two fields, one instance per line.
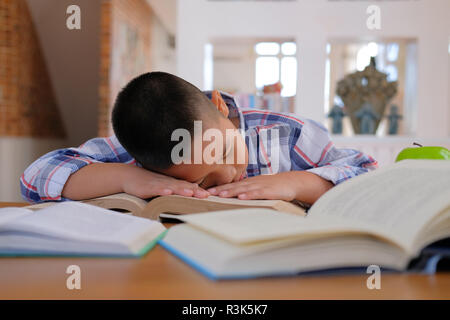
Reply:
x=160 y=275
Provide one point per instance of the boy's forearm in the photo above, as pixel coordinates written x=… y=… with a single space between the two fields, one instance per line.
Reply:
x=304 y=186
x=102 y=179
x=96 y=180
x=309 y=186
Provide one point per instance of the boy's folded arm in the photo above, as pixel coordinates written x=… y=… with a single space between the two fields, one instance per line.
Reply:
x=101 y=179
x=96 y=180
x=99 y=167
x=348 y=163
x=45 y=178
x=315 y=149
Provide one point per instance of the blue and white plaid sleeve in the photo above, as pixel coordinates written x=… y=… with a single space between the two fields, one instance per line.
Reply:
x=314 y=149
x=45 y=178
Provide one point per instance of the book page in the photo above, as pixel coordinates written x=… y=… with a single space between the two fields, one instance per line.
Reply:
x=72 y=220
x=121 y=201
x=244 y=226
x=397 y=201
x=218 y=258
x=12 y=213
x=231 y=201
x=186 y=205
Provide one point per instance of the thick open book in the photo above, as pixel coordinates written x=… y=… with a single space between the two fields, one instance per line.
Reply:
x=385 y=217
x=181 y=205
x=75 y=229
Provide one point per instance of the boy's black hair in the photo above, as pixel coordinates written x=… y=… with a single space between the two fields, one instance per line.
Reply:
x=149 y=108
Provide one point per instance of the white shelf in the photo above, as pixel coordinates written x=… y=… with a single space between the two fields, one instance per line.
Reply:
x=385 y=149
x=388 y=139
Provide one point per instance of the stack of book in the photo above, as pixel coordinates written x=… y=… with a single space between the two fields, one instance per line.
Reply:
x=390 y=217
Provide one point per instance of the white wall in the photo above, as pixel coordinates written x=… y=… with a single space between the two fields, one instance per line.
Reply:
x=163 y=54
x=167 y=13
x=231 y=57
x=16 y=154
x=314 y=22
x=72 y=58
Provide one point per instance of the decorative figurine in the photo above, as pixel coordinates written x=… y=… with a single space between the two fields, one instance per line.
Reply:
x=367 y=118
x=393 y=118
x=336 y=113
x=362 y=86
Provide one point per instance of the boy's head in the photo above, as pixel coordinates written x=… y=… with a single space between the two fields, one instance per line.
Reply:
x=151 y=107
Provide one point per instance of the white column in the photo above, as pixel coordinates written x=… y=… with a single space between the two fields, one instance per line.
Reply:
x=311 y=56
x=191 y=40
x=432 y=86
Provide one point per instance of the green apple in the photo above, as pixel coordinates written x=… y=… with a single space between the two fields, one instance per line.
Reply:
x=424 y=153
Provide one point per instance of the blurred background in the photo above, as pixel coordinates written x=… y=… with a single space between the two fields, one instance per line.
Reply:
x=376 y=89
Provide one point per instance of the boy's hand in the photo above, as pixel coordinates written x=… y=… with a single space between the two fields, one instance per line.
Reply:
x=260 y=187
x=145 y=184
x=299 y=185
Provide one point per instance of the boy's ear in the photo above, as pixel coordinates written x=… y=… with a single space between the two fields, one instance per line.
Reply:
x=216 y=98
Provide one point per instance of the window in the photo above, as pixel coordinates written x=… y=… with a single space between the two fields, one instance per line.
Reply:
x=386 y=54
x=276 y=62
x=397 y=57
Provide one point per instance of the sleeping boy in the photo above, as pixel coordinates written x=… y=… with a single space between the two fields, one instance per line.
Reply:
x=273 y=156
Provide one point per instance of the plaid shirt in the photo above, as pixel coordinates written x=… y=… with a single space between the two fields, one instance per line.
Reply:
x=301 y=144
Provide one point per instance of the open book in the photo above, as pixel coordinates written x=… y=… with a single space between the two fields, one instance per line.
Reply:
x=385 y=217
x=175 y=204
x=75 y=229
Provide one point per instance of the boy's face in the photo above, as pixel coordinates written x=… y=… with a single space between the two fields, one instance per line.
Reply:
x=227 y=167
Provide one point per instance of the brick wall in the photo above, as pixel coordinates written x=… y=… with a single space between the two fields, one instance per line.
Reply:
x=27 y=104
x=125 y=51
